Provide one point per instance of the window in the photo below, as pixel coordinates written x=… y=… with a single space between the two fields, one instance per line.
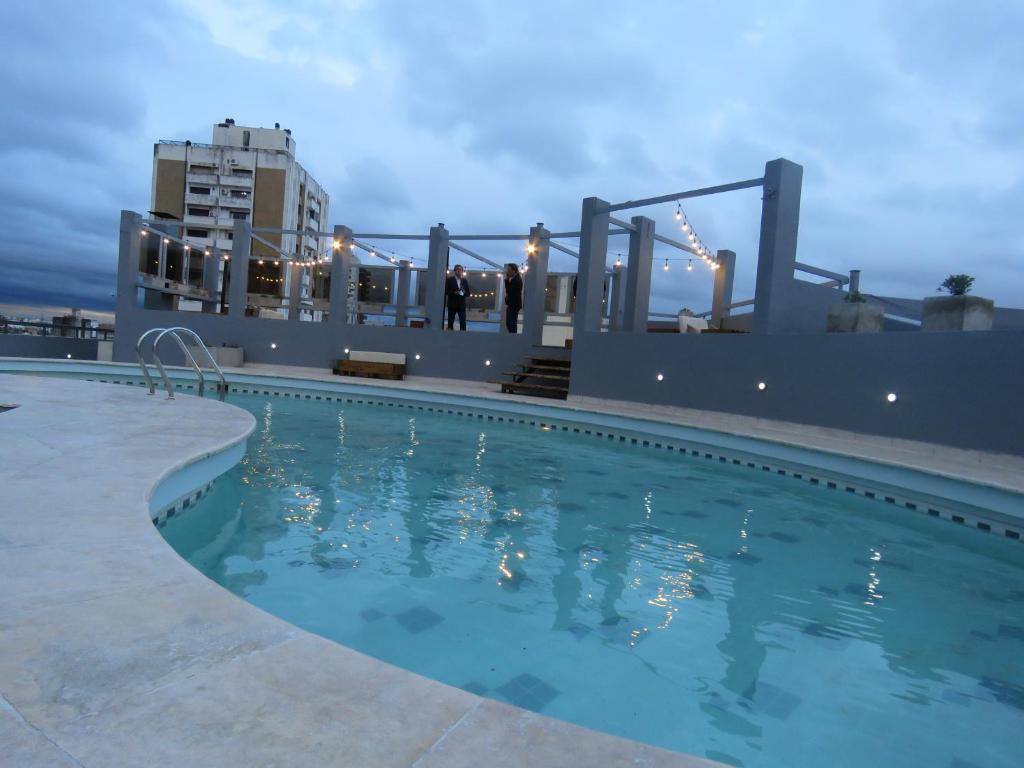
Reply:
x=196 y=211
x=313 y=215
x=201 y=168
x=241 y=172
x=239 y=193
x=197 y=232
x=199 y=190
x=239 y=215
x=245 y=138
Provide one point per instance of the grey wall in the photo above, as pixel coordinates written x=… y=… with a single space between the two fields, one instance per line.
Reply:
x=450 y=354
x=17 y=345
x=958 y=389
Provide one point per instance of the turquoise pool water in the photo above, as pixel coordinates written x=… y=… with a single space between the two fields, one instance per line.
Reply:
x=701 y=607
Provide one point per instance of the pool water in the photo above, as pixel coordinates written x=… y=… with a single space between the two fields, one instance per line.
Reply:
x=701 y=607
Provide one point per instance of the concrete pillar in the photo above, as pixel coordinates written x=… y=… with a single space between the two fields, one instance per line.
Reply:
x=241 y=246
x=211 y=276
x=402 y=297
x=294 y=268
x=534 y=282
x=564 y=295
x=129 y=252
x=590 y=272
x=636 y=302
x=437 y=264
x=776 y=254
x=341 y=271
x=617 y=294
x=722 y=296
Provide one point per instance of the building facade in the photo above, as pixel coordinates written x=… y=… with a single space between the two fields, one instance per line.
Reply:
x=245 y=174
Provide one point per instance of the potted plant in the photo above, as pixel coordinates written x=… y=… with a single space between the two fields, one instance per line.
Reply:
x=958 y=311
x=854 y=315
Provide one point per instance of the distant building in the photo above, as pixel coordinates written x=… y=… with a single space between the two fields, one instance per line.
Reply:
x=247 y=174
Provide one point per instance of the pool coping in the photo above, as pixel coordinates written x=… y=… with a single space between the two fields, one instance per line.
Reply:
x=115 y=651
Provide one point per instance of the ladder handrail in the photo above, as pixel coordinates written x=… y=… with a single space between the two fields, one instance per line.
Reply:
x=174 y=332
x=142 y=359
x=188 y=358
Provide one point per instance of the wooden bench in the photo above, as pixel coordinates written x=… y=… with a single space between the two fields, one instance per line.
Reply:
x=375 y=365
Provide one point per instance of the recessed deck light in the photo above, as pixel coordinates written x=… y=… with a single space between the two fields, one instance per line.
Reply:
x=417 y=357
x=273 y=345
x=761 y=386
x=69 y=357
x=660 y=377
x=891 y=397
x=487 y=362
x=346 y=350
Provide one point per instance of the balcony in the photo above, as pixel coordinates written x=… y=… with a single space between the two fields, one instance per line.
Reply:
x=204 y=178
x=203 y=222
x=230 y=180
x=207 y=201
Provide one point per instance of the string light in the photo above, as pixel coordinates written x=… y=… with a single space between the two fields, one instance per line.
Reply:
x=689 y=265
x=679 y=211
x=666 y=265
x=618 y=260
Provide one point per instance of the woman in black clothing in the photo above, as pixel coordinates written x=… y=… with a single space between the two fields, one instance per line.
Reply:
x=513 y=297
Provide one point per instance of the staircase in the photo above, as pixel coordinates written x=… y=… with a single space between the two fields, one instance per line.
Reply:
x=539 y=376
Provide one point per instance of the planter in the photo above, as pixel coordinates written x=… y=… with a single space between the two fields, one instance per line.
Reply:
x=226 y=357
x=855 y=317
x=957 y=313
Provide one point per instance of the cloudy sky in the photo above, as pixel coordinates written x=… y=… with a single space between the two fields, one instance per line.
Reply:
x=492 y=116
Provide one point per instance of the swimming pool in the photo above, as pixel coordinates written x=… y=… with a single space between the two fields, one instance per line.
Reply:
x=701 y=606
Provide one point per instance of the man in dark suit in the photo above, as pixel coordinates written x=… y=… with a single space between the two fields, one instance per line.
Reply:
x=456 y=291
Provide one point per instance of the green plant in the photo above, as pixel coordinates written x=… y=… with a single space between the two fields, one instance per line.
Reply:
x=856 y=297
x=957 y=285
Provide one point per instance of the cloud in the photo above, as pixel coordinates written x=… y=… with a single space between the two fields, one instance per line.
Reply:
x=491 y=117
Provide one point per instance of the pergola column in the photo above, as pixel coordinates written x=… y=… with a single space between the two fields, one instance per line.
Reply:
x=617 y=293
x=341 y=269
x=537 y=252
x=776 y=254
x=590 y=272
x=241 y=246
x=294 y=268
x=722 y=297
x=402 y=297
x=637 y=301
x=437 y=265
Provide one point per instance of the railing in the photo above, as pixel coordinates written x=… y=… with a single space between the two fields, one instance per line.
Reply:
x=54 y=329
x=222 y=385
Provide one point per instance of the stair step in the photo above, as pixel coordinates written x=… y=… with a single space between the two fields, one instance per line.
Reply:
x=533 y=375
x=536 y=367
x=561 y=363
x=512 y=387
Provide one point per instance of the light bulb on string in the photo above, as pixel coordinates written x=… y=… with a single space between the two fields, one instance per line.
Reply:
x=689 y=266
x=618 y=260
x=679 y=211
x=666 y=265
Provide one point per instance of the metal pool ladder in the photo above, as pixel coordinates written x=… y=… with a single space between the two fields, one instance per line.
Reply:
x=221 y=383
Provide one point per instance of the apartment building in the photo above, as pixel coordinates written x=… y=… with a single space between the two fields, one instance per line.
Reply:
x=247 y=174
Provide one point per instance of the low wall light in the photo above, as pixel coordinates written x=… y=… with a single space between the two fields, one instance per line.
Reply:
x=273 y=345
x=346 y=350
x=660 y=377
x=761 y=386
x=69 y=357
x=487 y=362
x=416 y=357
x=891 y=397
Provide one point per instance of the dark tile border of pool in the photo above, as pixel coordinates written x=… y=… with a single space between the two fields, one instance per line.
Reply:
x=882 y=495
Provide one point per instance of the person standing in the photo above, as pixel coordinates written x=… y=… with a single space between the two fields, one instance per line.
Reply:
x=513 y=297
x=456 y=291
